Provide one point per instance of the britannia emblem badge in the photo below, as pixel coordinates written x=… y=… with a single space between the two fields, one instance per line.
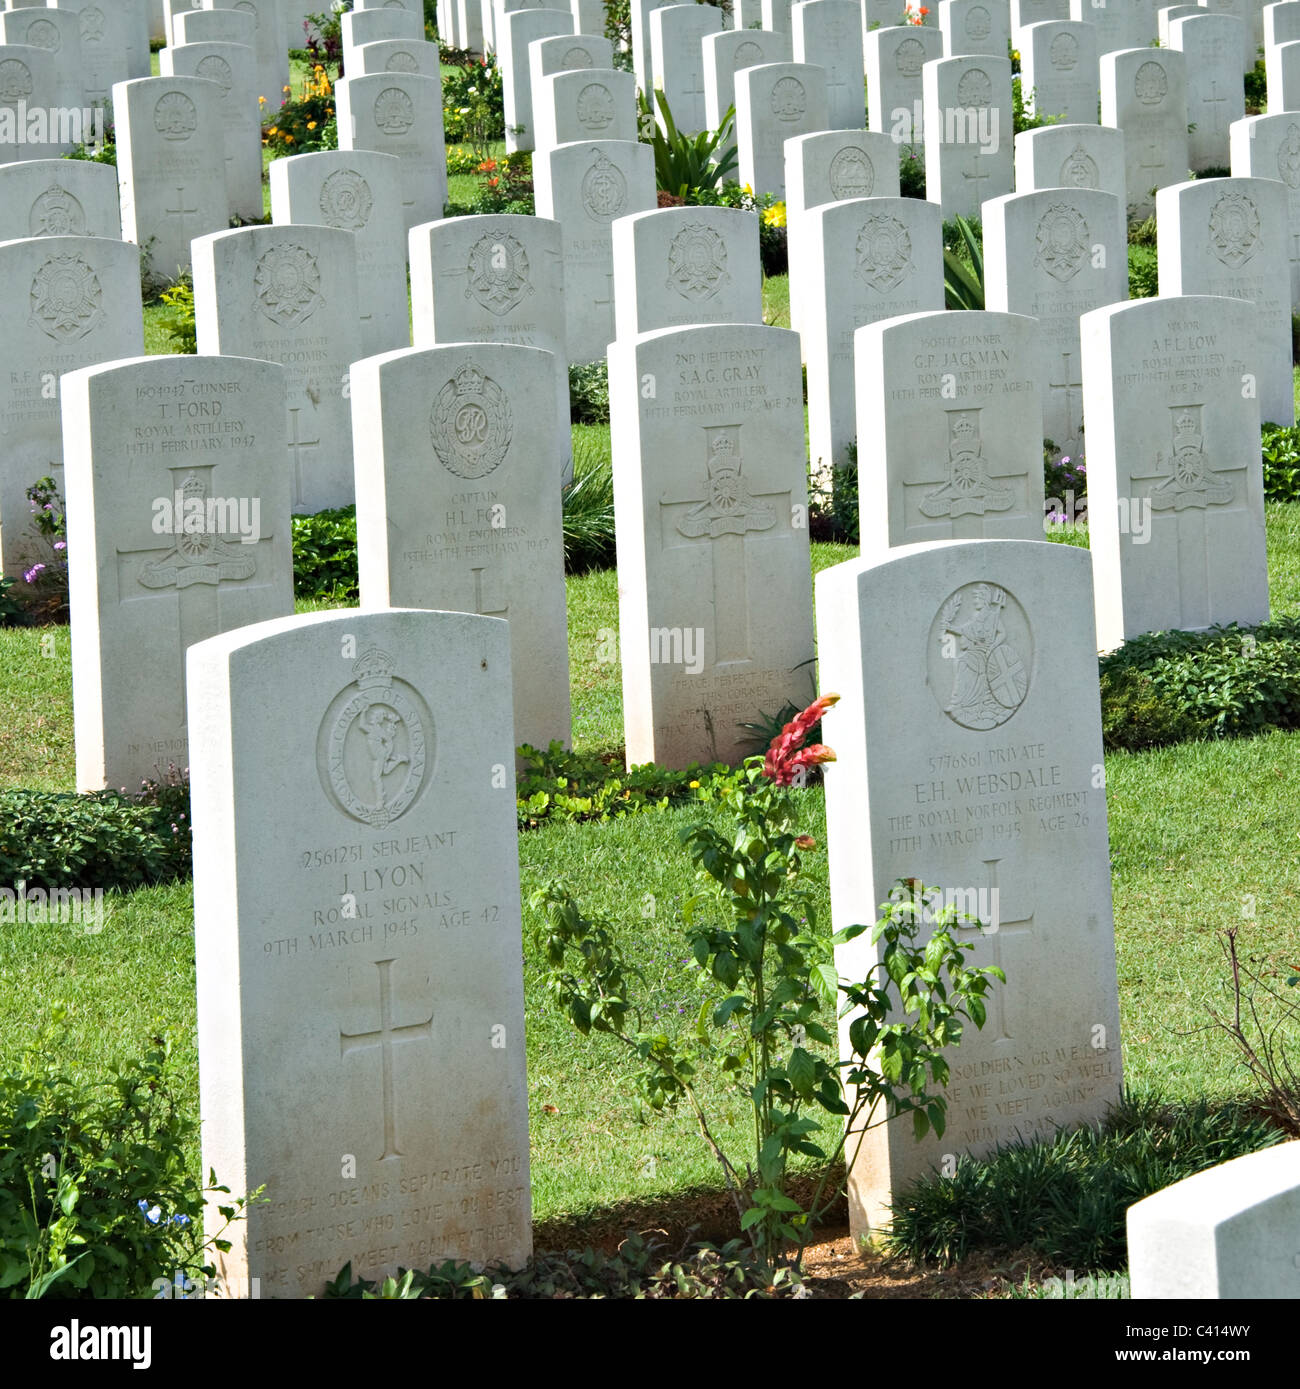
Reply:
x=604 y=190
x=1063 y=241
x=402 y=61
x=175 y=116
x=969 y=491
x=789 y=100
x=15 y=82
x=287 y=284
x=57 y=213
x=980 y=656
x=66 y=298
x=908 y=57
x=1080 y=170
x=1288 y=158
x=1150 y=84
x=497 y=273
x=375 y=749
x=394 y=111
x=884 y=253
x=1190 y=481
x=346 y=200
x=974 y=88
x=595 y=107
x=1063 y=53
x=852 y=174
x=1234 y=229
x=697 y=262
x=471 y=424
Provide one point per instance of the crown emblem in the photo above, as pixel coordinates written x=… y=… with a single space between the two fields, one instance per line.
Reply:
x=373 y=670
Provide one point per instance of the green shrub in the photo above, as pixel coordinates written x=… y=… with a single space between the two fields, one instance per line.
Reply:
x=1021 y=120
x=325 y=556
x=473 y=102
x=179 y=322
x=589 y=393
x=963 y=264
x=687 y=165
x=1143 y=272
x=772 y=248
x=1280 y=449
x=304 y=123
x=833 y=503
x=589 y=512
x=11 y=614
x=96 y=1196
x=1256 y=84
x=504 y=185
x=911 y=172
x=1066 y=1198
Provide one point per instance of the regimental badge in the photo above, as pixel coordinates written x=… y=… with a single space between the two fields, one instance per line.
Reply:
x=1063 y=241
x=1080 y=170
x=1288 y=158
x=1150 y=84
x=789 y=100
x=1190 y=482
x=697 y=262
x=978 y=22
x=287 y=284
x=852 y=174
x=15 y=82
x=595 y=108
x=975 y=88
x=42 y=34
x=375 y=748
x=92 y=25
x=471 y=424
x=175 y=116
x=981 y=641
x=497 y=273
x=728 y=507
x=604 y=189
x=57 y=213
x=969 y=491
x=66 y=298
x=402 y=61
x=346 y=200
x=1234 y=229
x=1063 y=52
x=909 y=57
x=884 y=253
x=394 y=111
x=575 y=59
x=748 y=55
x=198 y=556
x=217 y=70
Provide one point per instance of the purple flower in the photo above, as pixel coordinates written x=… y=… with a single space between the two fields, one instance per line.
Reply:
x=30 y=575
x=60 y=544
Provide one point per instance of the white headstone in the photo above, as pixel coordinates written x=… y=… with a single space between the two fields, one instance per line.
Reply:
x=171 y=8
x=867 y=259
x=268 y=45
x=178 y=528
x=397 y=55
x=105 y=29
x=1230 y=236
x=590 y=104
x=370 y=26
x=80 y=298
x=1281 y=23
x=355 y=854
x=497 y=278
x=29 y=78
x=1144 y=93
x=584 y=187
x=1071 y=156
x=725 y=54
x=1211 y=43
x=469 y=25
x=289 y=295
x=968 y=132
x=1229 y=1232
x=1059 y=70
x=995 y=800
x=974 y=26
x=457 y=506
x=137 y=38
x=399 y=113
x=1269 y=147
x=955 y=448
x=677 y=33
x=215 y=26
x=829 y=34
x=774 y=103
x=361 y=192
x=59 y=33
x=747 y=14
x=1120 y=23
x=1282 y=66
x=776 y=14
x=171 y=173
x=1175 y=482
x=715 y=603
x=894 y=57
x=641 y=11
x=679 y=266
x=518 y=30
x=568 y=53
x=234 y=69
x=1166 y=16
x=1251 y=15
x=58 y=197
x=1054 y=255
x=1027 y=12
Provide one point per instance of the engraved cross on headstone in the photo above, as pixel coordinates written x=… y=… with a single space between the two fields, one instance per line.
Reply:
x=994 y=930
x=1069 y=386
x=182 y=210
x=296 y=445
x=502 y=611
x=973 y=175
x=1214 y=100
x=385 y=1037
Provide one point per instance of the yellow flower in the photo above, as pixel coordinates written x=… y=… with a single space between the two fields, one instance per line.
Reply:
x=747 y=189
x=695 y=786
x=261 y=101
x=285 y=88
x=774 y=216
x=288 y=139
x=311 y=125
x=274 y=130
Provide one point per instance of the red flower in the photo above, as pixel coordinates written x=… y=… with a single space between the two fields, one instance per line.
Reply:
x=787 y=756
